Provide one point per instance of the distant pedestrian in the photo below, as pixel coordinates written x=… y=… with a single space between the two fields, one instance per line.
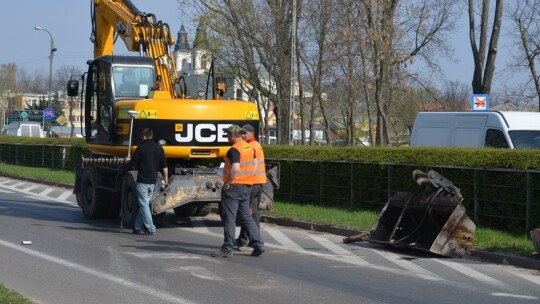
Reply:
x=237 y=180
x=256 y=189
x=148 y=159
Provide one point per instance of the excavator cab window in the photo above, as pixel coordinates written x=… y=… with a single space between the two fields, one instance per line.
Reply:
x=132 y=81
x=99 y=102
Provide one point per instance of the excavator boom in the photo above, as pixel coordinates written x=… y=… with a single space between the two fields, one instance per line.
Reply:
x=140 y=32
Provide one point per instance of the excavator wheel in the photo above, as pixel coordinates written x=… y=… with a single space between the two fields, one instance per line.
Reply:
x=93 y=201
x=160 y=220
x=203 y=210
x=130 y=206
x=185 y=211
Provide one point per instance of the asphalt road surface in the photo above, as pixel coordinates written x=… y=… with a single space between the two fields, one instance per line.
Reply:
x=75 y=260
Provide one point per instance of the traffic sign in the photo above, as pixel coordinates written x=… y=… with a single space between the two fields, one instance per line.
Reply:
x=61 y=120
x=48 y=113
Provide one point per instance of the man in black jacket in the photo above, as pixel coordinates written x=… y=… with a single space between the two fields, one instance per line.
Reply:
x=148 y=159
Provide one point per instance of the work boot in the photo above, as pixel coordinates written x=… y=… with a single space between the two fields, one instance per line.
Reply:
x=221 y=254
x=257 y=251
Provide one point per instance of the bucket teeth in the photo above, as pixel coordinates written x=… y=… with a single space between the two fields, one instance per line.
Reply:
x=103 y=161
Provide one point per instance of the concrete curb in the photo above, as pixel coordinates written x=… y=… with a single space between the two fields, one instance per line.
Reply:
x=494 y=257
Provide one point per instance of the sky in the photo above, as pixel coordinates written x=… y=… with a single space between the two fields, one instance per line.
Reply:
x=69 y=23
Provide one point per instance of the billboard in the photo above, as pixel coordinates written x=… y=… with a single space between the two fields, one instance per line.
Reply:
x=11 y=115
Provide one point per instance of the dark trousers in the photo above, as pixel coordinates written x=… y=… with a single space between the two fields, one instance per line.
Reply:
x=254 y=199
x=235 y=200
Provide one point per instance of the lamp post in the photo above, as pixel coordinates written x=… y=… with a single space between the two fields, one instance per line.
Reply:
x=51 y=56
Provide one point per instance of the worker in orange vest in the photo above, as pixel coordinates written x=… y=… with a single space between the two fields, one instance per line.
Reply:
x=238 y=178
x=243 y=239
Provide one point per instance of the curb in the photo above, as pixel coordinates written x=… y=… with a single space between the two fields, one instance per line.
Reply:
x=494 y=257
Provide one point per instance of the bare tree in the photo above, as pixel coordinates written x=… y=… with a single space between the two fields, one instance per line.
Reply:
x=255 y=36
x=455 y=96
x=526 y=23
x=484 y=56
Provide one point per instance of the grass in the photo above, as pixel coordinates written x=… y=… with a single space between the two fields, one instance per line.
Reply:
x=9 y=296
x=59 y=176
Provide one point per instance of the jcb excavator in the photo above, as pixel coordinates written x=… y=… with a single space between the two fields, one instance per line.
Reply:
x=124 y=95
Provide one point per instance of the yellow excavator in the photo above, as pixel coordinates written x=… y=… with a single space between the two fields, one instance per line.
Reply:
x=125 y=94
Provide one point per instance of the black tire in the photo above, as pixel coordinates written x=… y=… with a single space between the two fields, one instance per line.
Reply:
x=93 y=201
x=203 y=210
x=130 y=206
x=160 y=220
x=114 y=206
x=184 y=211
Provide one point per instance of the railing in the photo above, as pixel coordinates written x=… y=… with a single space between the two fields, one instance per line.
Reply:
x=500 y=198
x=49 y=156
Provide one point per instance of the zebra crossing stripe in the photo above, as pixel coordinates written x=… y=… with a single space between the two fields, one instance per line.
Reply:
x=407 y=265
x=529 y=277
x=46 y=191
x=64 y=195
x=340 y=251
x=29 y=188
x=16 y=185
x=199 y=225
x=281 y=238
x=474 y=274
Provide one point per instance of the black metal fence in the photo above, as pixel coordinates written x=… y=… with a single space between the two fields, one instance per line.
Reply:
x=63 y=157
x=499 y=198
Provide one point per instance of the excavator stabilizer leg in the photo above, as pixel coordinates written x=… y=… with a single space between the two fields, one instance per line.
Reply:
x=431 y=219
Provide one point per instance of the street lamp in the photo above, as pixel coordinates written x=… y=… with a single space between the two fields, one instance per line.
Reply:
x=51 y=55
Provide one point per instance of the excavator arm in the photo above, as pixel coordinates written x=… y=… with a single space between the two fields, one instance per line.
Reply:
x=140 y=32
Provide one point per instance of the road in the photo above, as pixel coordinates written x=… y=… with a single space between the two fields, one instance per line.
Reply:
x=75 y=260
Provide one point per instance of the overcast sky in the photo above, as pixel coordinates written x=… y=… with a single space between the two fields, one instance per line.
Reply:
x=69 y=23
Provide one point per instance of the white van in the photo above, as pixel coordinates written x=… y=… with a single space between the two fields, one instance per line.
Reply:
x=25 y=128
x=477 y=129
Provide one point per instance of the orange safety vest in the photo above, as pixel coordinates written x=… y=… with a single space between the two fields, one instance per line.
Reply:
x=260 y=173
x=245 y=175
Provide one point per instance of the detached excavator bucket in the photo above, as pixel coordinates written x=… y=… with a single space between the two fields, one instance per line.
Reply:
x=431 y=219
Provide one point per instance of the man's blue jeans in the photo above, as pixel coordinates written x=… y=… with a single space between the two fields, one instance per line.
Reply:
x=144 y=216
x=235 y=200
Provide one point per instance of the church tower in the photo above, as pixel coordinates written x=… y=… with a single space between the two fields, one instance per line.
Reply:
x=201 y=56
x=182 y=53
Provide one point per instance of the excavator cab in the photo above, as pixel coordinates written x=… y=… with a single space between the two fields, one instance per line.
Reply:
x=432 y=219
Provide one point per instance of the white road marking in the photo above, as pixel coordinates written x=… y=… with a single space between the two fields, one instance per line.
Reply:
x=473 y=274
x=17 y=185
x=64 y=195
x=46 y=191
x=198 y=272
x=5 y=181
x=199 y=225
x=159 y=255
x=281 y=238
x=37 y=197
x=102 y=275
x=6 y=191
x=529 y=277
x=341 y=252
x=508 y=295
x=407 y=265
x=28 y=189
